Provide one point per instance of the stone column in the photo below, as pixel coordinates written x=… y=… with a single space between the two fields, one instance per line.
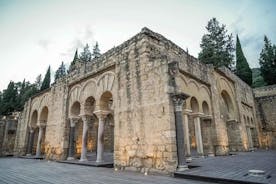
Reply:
x=4 y=143
x=71 y=151
x=39 y=139
x=209 y=134
x=249 y=137
x=30 y=142
x=199 y=144
x=84 y=138
x=100 y=144
x=187 y=134
x=178 y=100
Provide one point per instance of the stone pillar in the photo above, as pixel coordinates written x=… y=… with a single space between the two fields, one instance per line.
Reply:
x=208 y=122
x=30 y=142
x=100 y=144
x=178 y=100
x=71 y=151
x=39 y=139
x=187 y=134
x=249 y=137
x=4 y=143
x=84 y=138
x=199 y=144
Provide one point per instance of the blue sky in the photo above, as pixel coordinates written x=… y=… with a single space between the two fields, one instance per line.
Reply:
x=37 y=33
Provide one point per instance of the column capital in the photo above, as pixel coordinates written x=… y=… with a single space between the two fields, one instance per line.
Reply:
x=85 y=117
x=73 y=121
x=178 y=100
x=41 y=123
x=197 y=114
x=102 y=114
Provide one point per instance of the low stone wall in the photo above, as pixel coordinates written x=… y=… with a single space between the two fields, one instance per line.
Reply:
x=265 y=99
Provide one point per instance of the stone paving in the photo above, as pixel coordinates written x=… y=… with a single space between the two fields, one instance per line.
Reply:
x=29 y=171
x=235 y=167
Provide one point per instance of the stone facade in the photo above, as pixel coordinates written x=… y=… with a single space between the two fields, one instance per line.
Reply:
x=8 y=127
x=265 y=99
x=147 y=101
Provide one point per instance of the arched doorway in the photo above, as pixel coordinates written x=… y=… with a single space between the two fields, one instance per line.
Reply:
x=33 y=134
x=43 y=119
x=232 y=127
x=195 y=129
x=105 y=142
x=75 y=131
x=206 y=129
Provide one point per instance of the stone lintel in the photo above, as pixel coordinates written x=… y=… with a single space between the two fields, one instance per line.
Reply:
x=197 y=114
x=232 y=121
x=207 y=117
x=187 y=111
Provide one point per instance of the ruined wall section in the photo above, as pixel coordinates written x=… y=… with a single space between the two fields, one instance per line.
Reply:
x=265 y=99
x=22 y=132
x=246 y=111
x=55 y=100
x=144 y=137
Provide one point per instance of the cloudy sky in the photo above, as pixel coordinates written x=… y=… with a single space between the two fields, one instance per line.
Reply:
x=37 y=33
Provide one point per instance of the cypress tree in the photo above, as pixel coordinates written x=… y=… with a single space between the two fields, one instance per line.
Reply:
x=267 y=62
x=85 y=56
x=217 y=46
x=96 y=51
x=242 y=68
x=61 y=72
x=9 y=99
x=47 y=80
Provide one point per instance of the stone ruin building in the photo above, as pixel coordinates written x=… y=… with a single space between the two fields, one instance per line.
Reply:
x=149 y=103
x=8 y=127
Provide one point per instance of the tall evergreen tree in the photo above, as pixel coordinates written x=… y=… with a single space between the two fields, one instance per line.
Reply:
x=47 y=80
x=242 y=68
x=86 y=55
x=38 y=82
x=1 y=103
x=9 y=99
x=267 y=62
x=96 y=51
x=217 y=46
x=61 y=72
x=75 y=60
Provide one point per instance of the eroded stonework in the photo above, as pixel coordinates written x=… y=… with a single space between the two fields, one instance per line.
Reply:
x=121 y=103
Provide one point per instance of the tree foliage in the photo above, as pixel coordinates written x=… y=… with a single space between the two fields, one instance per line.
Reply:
x=46 y=81
x=216 y=46
x=96 y=51
x=61 y=72
x=267 y=62
x=242 y=68
x=86 y=55
x=14 y=97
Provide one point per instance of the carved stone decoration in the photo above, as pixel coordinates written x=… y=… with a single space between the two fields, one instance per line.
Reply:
x=173 y=70
x=178 y=100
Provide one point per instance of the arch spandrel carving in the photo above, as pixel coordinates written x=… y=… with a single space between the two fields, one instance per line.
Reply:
x=74 y=94
x=105 y=83
x=89 y=89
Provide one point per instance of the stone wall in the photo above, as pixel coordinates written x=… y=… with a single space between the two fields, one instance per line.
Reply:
x=8 y=129
x=265 y=99
x=133 y=83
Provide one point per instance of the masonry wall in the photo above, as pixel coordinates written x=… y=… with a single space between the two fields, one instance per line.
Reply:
x=144 y=132
x=265 y=99
x=136 y=74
